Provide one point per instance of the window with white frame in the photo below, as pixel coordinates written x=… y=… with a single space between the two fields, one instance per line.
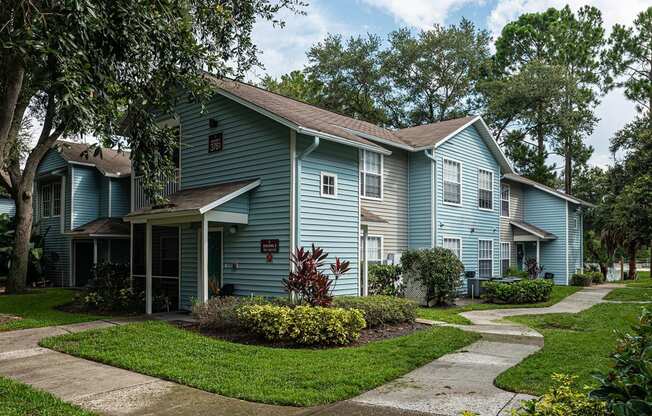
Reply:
x=505 y=253
x=328 y=185
x=56 y=199
x=504 y=200
x=485 y=258
x=485 y=189
x=454 y=245
x=452 y=182
x=371 y=174
x=374 y=248
x=46 y=200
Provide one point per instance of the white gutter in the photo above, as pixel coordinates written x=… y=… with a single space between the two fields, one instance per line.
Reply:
x=433 y=187
x=310 y=149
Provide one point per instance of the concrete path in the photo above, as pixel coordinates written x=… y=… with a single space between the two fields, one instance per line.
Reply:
x=464 y=380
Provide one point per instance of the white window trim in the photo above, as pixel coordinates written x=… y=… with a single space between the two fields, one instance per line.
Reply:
x=490 y=190
x=52 y=185
x=41 y=199
x=450 y=237
x=382 y=175
x=382 y=247
x=443 y=168
x=321 y=185
x=509 y=254
x=490 y=259
x=509 y=202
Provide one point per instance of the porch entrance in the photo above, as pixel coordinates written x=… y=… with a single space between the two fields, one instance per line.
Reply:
x=214 y=261
x=84 y=254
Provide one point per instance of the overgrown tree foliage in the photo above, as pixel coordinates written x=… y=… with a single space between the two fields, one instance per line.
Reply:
x=80 y=65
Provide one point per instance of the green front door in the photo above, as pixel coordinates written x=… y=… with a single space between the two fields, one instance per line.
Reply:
x=214 y=261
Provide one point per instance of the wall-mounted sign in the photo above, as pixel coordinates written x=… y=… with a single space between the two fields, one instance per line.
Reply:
x=215 y=143
x=269 y=246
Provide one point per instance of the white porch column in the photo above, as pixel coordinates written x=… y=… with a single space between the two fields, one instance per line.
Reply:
x=95 y=251
x=148 y=268
x=204 y=259
x=538 y=253
x=131 y=254
x=365 y=264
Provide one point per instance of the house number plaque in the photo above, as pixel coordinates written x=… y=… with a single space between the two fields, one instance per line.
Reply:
x=215 y=143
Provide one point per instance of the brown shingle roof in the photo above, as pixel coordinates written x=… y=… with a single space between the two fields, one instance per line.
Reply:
x=109 y=162
x=430 y=134
x=102 y=226
x=533 y=229
x=368 y=216
x=522 y=179
x=195 y=199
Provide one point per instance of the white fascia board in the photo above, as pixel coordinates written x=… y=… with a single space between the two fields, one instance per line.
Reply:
x=528 y=230
x=229 y=197
x=379 y=139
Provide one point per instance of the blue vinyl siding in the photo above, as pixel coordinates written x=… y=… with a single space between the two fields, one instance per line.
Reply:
x=56 y=245
x=420 y=201
x=120 y=194
x=254 y=147
x=574 y=239
x=239 y=205
x=103 y=196
x=7 y=206
x=331 y=223
x=51 y=161
x=468 y=222
x=189 y=266
x=549 y=212
x=86 y=183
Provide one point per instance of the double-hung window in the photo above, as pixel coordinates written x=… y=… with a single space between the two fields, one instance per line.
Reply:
x=46 y=200
x=504 y=200
x=505 y=252
x=454 y=245
x=371 y=174
x=485 y=258
x=374 y=248
x=485 y=189
x=328 y=185
x=56 y=199
x=452 y=182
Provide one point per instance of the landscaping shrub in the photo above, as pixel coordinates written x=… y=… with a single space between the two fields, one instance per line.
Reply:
x=380 y=310
x=596 y=277
x=525 y=291
x=221 y=313
x=305 y=325
x=581 y=279
x=308 y=281
x=110 y=290
x=438 y=270
x=562 y=399
x=385 y=279
x=627 y=388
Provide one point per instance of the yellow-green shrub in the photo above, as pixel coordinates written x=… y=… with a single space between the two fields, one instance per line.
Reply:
x=562 y=399
x=306 y=325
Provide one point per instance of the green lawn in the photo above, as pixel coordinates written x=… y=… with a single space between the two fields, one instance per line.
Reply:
x=631 y=294
x=642 y=281
x=17 y=399
x=37 y=309
x=450 y=314
x=576 y=344
x=302 y=377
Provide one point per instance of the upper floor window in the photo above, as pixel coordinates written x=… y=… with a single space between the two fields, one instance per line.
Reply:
x=485 y=189
x=504 y=200
x=56 y=199
x=46 y=200
x=485 y=258
x=371 y=174
x=454 y=245
x=328 y=185
x=452 y=182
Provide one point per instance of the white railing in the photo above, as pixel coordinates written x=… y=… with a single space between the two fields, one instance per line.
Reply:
x=140 y=200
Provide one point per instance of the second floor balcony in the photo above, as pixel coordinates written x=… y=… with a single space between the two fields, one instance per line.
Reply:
x=139 y=200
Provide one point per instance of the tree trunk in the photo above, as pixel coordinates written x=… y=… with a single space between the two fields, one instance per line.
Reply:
x=631 y=253
x=16 y=281
x=568 y=171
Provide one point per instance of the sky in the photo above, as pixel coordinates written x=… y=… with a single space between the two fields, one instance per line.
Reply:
x=285 y=49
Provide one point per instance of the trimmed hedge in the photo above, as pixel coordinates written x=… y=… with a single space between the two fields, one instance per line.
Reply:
x=385 y=279
x=525 y=291
x=582 y=279
x=221 y=313
x=380 y=310
x=304 y=325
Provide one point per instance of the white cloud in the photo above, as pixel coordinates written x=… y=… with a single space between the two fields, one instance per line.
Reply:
x=284 y=49
x=421 y=14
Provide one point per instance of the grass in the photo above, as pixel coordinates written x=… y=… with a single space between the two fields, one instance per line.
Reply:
x=38 y=309
x=631 y=294
x=576 y=344
x=17 y=399
x=642 y=281
x=301 y=377
x=450 y=314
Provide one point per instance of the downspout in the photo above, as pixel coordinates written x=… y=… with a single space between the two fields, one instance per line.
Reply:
x=310 y=149
x=433 y=199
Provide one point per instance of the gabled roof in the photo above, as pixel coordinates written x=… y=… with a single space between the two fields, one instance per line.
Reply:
x=431 y=134
x=199 y=200
x=105 y=227
x=533 y=229
x=109 y=162
x=521 y=179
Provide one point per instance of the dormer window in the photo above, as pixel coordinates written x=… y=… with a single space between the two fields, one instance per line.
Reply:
x=371 y=175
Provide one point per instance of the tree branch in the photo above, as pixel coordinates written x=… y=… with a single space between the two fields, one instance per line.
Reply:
x=14 y=77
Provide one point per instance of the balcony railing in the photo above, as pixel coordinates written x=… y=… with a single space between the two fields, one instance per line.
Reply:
x=139 y=198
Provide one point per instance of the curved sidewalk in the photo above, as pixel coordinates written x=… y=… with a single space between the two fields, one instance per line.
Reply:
x=464 y=380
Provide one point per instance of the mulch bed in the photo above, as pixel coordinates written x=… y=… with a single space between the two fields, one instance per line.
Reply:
x=8 y=318
x=247 y=338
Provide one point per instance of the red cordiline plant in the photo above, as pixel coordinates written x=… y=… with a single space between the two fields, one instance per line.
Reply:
x=308 y=281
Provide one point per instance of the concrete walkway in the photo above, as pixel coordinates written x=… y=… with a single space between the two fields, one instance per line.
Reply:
x=464 y=380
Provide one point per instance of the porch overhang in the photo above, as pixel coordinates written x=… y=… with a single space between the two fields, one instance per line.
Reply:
x=528 y=232
x=195 y=204
x=367 y=217
x=102 y=228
